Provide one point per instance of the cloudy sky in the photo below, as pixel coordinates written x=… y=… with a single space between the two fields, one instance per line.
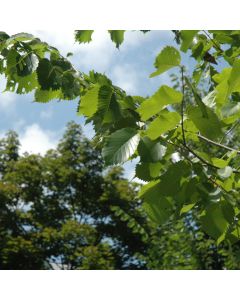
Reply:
x=40 y=126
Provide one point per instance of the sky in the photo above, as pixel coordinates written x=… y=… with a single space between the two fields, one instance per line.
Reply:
x=40 y=126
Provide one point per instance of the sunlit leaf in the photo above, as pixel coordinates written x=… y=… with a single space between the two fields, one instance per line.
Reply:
x=168 y=58
x=120 y=146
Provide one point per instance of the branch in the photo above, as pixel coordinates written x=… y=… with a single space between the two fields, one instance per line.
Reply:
x=213 y=41
x=217 y=144
x=186 y=147
x=203 y=160
x=230 y=130
x=218 y=185
x=182 y=107
x=200 y=158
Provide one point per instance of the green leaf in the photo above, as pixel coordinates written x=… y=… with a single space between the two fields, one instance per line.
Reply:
x=105 y=97
x=26 y=83
x=19 y=37
x=117 y=36
x=231 y=112
x=89 y=102
x=120 y=146
x=44 y=96
x=234 y=78
x=220 y=163
x=83 y=36
x=150 y=151
x=26 y=64
x=210 y=99
x=197 y=98
x=187 y=38
x=210 y=127
x=165 y=122
x=228 y=82
x=214 y=222
x=142 y=172
x=186 y=208
x=148 y=171
x=168 y=58
x=164 y=96
x=197 y=50
x=228 y=211
x=219 y=77
x=46 y=75
x=158 y=208
x=170 y=181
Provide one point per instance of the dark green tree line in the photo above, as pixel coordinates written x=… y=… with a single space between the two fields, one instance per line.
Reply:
x=60 y=211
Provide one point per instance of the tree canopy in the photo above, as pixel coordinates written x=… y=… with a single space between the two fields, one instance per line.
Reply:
x=196 y=120
x=62 y=211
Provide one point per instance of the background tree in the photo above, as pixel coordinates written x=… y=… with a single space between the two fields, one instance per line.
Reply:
x=59 y=210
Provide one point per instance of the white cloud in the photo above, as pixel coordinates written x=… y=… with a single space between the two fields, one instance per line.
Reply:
x=46 y=114
x=129 y=171
x=96 y=55
x=63 y=40
x=36 y=140
x=7 y=99
x=125 y=77
x=88 y=130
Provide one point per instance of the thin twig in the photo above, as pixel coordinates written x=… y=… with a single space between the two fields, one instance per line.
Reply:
x=217 y=144
x=186 y=147
x=182 y=107
x=230 y=130
x=218 y=185
x=213 y=41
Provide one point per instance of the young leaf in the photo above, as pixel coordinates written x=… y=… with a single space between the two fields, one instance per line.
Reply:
x=150 y=151
x=210 y=127
x=165 y=122
x=44 y=96
x=168 y=58
x=120 y=146
x=197 y=98
x=187 y=38
x=214 y=222
x=104 y=96
x=234 y=78
x=158 y=208
x=117 y=36
x=228 y=82
x=142 y=172
x=164 y=96
x=89 y=102
x=83 y=36
x=148 y=171
x=170 y=181
x=186 y=208
x=47 y=75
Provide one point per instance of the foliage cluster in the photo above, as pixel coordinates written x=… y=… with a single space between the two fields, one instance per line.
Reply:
x=205 y=178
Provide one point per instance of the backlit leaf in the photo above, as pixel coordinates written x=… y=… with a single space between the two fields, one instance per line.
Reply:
x=164 y=122
x=89 y=102
x=120 y=146
x=168 y=58
x=163 y=97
